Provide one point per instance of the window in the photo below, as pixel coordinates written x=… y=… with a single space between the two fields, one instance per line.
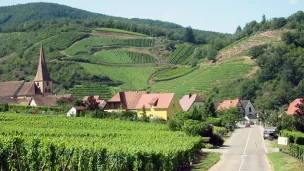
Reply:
x=37 y=84
x=173 y=104
x=249 y=109
x=46 y=90
x=47 y=83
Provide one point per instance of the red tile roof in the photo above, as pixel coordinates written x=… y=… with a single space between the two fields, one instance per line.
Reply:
x=226 y=104
x=85 y=98
x=28 y=89
x=128 y=100
x=187 y=101
x=292 y=107
x=79 y=107
x=163 y=100
x=10 y=88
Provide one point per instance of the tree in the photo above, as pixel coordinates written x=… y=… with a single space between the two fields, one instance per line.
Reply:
x=78 y=102
x=91 y=103
x=144 y=114
x=263 y=19
x=230 y=116
x=238 y=29
x=208 y=109
x=188 y=35
x=196 y=114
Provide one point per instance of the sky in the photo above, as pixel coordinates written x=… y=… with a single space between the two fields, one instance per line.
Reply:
x=212 y=15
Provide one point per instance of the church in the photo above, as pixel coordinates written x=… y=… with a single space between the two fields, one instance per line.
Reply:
x=21 y=92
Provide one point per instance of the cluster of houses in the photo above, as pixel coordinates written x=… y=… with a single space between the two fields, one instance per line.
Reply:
x=39 y=92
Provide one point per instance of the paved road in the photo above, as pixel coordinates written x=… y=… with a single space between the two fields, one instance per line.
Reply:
x=244 y=151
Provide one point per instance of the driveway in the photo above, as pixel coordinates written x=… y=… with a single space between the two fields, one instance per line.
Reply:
x=244 y=150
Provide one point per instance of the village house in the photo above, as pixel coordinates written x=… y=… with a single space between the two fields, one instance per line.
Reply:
x=162 y=105
x=124 y=101
x=244 y=106
x=188 y=102
x=292 y=109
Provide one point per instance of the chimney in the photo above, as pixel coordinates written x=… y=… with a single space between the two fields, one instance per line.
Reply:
x=190 y=95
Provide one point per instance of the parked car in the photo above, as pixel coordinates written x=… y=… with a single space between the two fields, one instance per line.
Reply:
x=270 y=135
x=229 y=127
x=247 y=125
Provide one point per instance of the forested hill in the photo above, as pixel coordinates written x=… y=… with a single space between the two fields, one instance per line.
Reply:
x=18 y=14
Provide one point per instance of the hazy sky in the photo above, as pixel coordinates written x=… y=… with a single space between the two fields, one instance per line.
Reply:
x=213 y=15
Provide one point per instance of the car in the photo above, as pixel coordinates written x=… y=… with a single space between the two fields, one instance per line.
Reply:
x=229 y=127
x=266 y=135
x=273 y=135
x=247 y=125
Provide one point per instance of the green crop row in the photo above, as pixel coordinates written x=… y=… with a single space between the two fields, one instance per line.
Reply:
x=85 y=45
x=120 y=31
x=181 y=54
x=173 y=73
x=91 y=144
x=95 y=89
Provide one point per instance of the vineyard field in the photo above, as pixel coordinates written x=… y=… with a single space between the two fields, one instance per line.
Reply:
x=205 y=78
x=133 y=78
x=173 y=73
x=84 y=46
x=80 y=91
x=113 y=30
x=182 y=54
x=57 y=142
x=120 y=57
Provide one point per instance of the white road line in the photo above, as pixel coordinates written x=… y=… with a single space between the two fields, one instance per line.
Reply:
x=265 y=149
x=242 y=157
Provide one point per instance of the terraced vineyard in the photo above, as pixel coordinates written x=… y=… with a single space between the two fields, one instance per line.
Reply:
x=91 y=89
x=133 y=78
x=120 y=57
x=206 y=77
x=58 y=143
x=181 y=55
x=84 y=46
x=172 y=73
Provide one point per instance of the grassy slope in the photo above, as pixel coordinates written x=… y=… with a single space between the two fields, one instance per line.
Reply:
x=206 y=77
x=133 y=78
x=238 y=48
x=208 y=160
x=282 y=162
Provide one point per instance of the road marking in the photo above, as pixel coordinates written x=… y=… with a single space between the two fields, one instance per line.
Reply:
x=242 y=157
x=265 y=149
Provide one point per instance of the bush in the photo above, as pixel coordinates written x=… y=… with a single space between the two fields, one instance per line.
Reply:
x=209 y=146
x=194 y=127
x=216 y=139
x=157 y=120
x=215 y=121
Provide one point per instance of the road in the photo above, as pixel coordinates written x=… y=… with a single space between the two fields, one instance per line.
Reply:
x=245 y=150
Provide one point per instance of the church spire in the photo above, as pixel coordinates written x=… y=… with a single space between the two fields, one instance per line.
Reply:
x=42 y=71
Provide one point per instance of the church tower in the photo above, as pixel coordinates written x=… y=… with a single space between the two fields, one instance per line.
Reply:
x=43 y=80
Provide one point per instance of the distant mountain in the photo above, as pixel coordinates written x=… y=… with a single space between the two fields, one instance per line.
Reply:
x=12 y=16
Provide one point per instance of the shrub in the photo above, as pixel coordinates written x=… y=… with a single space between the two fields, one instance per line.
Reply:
x=215 y=121
x=216 y=139
x=209 y=146
x=194 y=127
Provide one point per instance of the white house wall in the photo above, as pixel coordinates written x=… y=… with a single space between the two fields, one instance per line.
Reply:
x=72 y=112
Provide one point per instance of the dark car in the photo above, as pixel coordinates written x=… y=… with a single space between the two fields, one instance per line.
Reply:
x=229 y=127
x=273 y=135
x=266 y=135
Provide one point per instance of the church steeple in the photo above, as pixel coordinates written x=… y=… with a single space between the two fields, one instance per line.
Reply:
x=42 y=71
x=43 y=80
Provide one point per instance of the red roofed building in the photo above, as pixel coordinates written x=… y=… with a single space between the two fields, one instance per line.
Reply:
x=162 y=105
x=188 y=102
x=101 y=103
x=292 y=109
x=125 y=101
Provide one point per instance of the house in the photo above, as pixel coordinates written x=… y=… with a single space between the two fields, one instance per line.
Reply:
x=75 y=111
x=50 y=100
x=245 y=107
x=188 y=102
x=124 y=101
x=163 y=105
x=102 y=103
x=292 y=109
